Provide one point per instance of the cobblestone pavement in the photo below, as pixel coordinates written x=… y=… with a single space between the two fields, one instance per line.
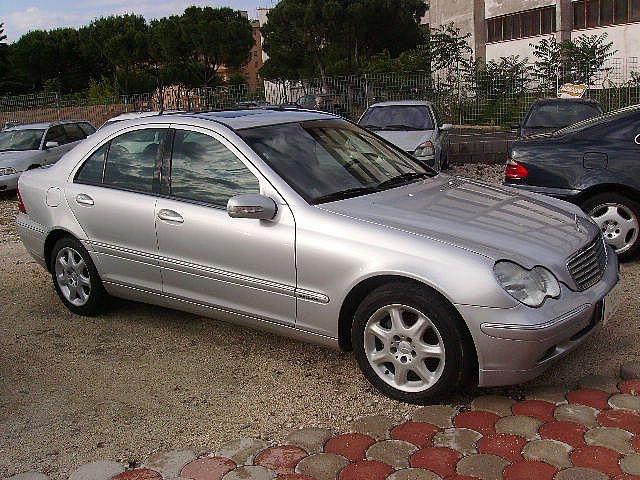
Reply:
x=590 y=433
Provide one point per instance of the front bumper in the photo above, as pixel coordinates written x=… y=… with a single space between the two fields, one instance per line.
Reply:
x=9 y=182
x=517 y=344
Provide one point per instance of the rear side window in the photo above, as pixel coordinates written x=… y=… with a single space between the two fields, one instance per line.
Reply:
x=91 y=171
x=56 y=134
x=132 y=159
x=87 y=128
x=74 y=133
x=204 y=170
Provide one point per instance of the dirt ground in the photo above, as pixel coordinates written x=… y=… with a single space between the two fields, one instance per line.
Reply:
x=141 y=379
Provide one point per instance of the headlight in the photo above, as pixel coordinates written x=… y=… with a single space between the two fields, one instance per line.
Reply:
x=8 y=171
x=531 y=287
x=425 y=149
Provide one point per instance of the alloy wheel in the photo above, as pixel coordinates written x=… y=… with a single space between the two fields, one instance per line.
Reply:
x=618 y=224
x=404 y=348
x=72 y=276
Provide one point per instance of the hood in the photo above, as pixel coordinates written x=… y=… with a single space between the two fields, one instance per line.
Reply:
x=538 y=131
x=492 y=220
x=407 y=141
x=11 y=158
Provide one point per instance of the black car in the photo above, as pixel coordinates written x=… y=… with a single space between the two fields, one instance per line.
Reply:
x=550 y=114
x=594 y=164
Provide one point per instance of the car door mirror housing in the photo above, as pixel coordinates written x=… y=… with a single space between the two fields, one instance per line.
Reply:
x=49 y=145
x=446 y=126
x=257 y=207
x=515 y=126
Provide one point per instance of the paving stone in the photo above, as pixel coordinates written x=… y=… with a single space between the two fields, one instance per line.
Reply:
x=310 y=439
x=624 y=419
x=376 y=426
x=350 y=445
x=577 y=414
x=242 y=450
x=322 y=466
x=631 y=387
x=462 y=440
x=613 y=438
x=625 y=401
x=392 y=452
x=630 y=464
x=29 y=476
x=503 y=445
x=540 y=409
x=169 y=464
x=570 y=433
x=414 y=474
x=365 y=470
x=483 y=422
x=418 y=433
x=630 y=371
x=294 y=476
x=484 y=467
x=598 y=458
x=249 y=472
x=439 y=415
x=579 y=473
x=148 y=474
x=636 y=443
x=600 y=382
x=526 y=427
x=207 y=468
x=439 y=460
x=100 y=470
x=552 y=452
x=527 y=470
x=497 y=404
x=591 y=398
x=555 y=395
x=281 y=459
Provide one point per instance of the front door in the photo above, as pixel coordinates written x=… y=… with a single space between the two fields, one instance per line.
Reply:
x=239 y=265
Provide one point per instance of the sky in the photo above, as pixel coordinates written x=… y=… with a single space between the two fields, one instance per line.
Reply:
x=20 y=16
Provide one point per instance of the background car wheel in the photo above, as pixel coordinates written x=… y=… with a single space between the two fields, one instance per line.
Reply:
x=75 y=278
x=618 y=218
x=408 y=343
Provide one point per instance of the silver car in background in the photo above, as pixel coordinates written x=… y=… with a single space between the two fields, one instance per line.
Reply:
x=304 y=224
x=24 y=147
x=413 y=126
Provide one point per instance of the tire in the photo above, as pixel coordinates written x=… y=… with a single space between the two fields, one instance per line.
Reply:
x=618 y=216
x=441 y=330
x=78 y=284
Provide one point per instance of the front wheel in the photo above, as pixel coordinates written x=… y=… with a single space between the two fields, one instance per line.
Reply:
x=408 y=343
x=618 y=218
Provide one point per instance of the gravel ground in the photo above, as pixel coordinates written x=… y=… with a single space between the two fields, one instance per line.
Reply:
x=74 y=389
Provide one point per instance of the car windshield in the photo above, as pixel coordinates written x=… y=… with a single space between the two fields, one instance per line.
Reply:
x=328 y=160
x=560 y=114
x=21 y=140
x=602 y=119
x=399 y=118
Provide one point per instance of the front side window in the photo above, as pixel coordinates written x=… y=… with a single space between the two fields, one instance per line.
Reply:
x=328 y=160
x=21 y=140
x=204 y=170
x=87 y=128
x=132 y=159
x=74 y=133
x=394 y=118
x=56 y=134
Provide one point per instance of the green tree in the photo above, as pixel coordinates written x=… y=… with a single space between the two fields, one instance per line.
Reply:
x=548 y=61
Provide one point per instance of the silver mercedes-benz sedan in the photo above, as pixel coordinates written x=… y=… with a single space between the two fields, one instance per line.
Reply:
x=305 y=224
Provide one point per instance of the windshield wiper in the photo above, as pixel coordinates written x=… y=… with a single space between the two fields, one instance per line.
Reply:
x=344 y=194
x=400 y=126
x=404 y=179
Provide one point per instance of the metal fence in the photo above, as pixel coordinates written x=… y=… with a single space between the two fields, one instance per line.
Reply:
x=491 y=99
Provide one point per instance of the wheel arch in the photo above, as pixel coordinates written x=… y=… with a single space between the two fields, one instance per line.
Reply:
x=598 y=189
x=52 y=237
x=357 y=294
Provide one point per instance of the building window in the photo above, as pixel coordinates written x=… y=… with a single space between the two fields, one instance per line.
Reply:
x=541 y=21
x=600 y=13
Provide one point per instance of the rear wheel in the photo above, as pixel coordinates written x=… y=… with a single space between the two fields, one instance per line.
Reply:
x=408 y=343
x=619 y=219
x=75 y=278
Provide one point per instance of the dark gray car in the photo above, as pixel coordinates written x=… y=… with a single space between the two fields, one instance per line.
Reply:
x=24 y=147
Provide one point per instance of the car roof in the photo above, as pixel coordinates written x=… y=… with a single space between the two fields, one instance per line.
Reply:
x=42 y=125
x=134 y=115
x=400 y=103
x=258 y=117
x=562 y=100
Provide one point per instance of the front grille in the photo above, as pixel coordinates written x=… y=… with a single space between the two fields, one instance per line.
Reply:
x=588 y=264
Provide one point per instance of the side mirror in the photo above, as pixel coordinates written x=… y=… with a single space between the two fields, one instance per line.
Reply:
x=446 y=127
x=49 y=145
x=257 y=207
x=515 y=126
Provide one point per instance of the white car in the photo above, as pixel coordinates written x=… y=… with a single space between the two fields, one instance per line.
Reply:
x=137 y=115
x=413 y=126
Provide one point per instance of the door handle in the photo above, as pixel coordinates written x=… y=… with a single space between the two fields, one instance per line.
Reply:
x=84 y=199
x=170 y=216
